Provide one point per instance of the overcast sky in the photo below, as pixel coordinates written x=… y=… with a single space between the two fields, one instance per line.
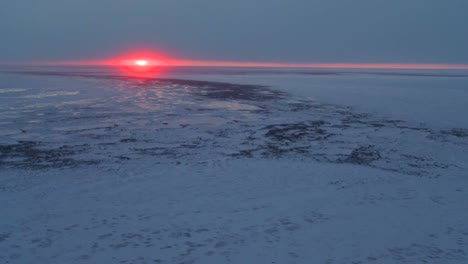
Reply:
x=420 y=31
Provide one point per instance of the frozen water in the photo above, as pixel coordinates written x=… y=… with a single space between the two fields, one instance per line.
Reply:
x=232 y=166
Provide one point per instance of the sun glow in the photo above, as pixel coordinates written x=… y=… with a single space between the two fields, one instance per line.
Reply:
x=151 y=62
x=141 y=62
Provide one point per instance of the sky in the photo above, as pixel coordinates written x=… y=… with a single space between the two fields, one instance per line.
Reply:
x=292 y=31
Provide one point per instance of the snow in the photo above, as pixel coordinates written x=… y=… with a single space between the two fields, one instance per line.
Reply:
x=99 y=168
x=438 y=98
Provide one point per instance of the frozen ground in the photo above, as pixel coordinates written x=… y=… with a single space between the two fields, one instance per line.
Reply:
x=96 y=167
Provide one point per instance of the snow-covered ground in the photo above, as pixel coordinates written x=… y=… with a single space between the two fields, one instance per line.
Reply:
x=233 y=167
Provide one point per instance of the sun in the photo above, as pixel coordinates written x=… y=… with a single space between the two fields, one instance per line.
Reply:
x=141 y=62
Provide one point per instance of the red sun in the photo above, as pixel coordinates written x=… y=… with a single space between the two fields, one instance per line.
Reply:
x=141 y=63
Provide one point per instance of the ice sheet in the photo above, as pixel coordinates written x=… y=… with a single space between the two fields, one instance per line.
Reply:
x=101 y=168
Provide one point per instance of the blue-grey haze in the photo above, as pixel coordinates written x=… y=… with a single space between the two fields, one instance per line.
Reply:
x=244 y=30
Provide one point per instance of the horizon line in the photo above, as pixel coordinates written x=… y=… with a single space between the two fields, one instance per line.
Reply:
x=214 y=63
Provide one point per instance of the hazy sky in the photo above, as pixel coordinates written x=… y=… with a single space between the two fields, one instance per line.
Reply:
x=422 y=31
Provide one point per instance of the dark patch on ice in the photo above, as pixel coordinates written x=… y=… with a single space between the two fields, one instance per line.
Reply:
x=238 y=92
x=420 y=253
x=119 y=245
x=4 y=236
x=456 y=132
x=122 y=157
x=293 y=255
x=220 y=244
x=42 y=242
x=301 y=106
x=284 y=133
x=315 y=217
x=160 y=151
x=104 y=236
x=363 y=155
x=36 y=155
x=288 y=225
